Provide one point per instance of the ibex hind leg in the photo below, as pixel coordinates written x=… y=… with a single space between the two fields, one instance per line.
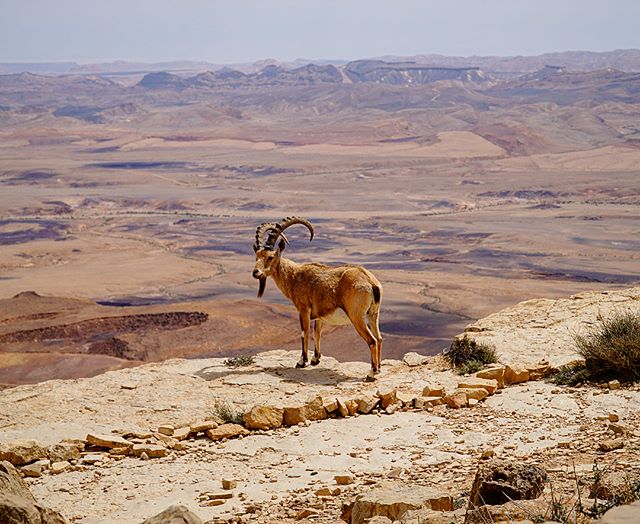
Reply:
x=373 y=316
x=305 y=323
x=364 y=331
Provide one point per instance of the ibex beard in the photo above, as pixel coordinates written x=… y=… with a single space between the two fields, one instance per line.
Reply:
x=325 y=294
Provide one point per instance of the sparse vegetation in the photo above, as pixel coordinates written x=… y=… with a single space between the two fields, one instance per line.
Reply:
x=240 y=361
x=226 y=413
x=571 y=374
x=469 y=356
x=612 y=347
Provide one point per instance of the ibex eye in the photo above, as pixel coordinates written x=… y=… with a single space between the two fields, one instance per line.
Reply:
x=270 y=257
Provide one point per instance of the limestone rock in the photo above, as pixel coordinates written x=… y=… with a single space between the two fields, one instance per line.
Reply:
x=431 y=390
x=629 y=514
x=312 y=410
x=387 y=397
x=405 y=398
x=422 y=402
x=610 y=486
x=202 y=426
x=181 y=433
x=413 y=359
x=352 y=407
x=264 y=417
x=457 y=400
x=229 y=484
x=17 y=504
x=108 y=441
x=493 y=373
x=175 y=515
x=342 y=408
x=513 y=511
x=343 y=480
x=151 y=450
x=614 y=384
x=392 y=499
x=367 y=403
x=539 y=371
x=427 y=516
x=226 y=431
x=330 y=405
x=473 y=394
x=611 y=444
x=490 y=385
x=60 y=467
x=166 y=429
x=515 y=375
x=63 y=451
x=93 y=458
x=32 y=470
x=22 y=452
x=500 y=481
x=379 y=520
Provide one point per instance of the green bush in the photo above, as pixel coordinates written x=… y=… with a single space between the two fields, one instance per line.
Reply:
x=469 y=356
x=571 y=374
x=612 y=347
x=225 y=412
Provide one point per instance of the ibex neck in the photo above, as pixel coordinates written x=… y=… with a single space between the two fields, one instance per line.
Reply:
x=282 y=275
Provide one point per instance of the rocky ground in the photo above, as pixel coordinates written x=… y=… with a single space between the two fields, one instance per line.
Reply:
x=315 y=470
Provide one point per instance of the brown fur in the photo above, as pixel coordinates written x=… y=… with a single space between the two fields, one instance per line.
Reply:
x=317 y=291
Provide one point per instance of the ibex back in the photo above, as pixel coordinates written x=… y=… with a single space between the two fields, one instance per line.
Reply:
x=325 y=294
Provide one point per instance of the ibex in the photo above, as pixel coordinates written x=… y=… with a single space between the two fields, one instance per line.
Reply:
x=335 y=295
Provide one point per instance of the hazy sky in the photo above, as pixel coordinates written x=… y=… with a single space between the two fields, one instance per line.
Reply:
x=227 y=31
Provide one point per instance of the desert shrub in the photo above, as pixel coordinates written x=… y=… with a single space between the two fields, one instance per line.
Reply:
x=469 y=356
x=612 y=347
x=571 y=374
x=240 y=361
x=226 y=413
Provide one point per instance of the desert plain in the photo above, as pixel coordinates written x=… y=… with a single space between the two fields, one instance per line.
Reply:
x=128 y=204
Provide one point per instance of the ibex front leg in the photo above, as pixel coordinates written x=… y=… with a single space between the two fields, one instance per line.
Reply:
x=317 y=333
x=305 y=325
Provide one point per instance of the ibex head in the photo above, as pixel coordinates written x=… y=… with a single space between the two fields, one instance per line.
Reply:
x=269 y=248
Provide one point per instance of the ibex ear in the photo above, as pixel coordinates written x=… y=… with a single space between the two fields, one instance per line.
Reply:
x=281 y=245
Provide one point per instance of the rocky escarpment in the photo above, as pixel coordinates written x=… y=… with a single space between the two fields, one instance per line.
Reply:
x=313 y=444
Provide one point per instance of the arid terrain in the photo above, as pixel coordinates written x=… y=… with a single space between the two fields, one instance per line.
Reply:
x=128 y=203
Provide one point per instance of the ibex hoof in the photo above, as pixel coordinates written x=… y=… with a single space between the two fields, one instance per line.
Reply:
x=315 y=361
x=370 y=377
x=301 y=364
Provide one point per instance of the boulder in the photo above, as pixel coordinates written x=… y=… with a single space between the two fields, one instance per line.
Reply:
x=611 y=444
x=427 y=516
x=312 y=410
x=367 y=403
x=499 y=481
x=387 y=397
x=202 y=426
x=174 y=515
x=17 y=504
x=610 y=486
x=108 y=441
x=413 y=359
x=490 y=385
x=475 y=394
x=431 y=390
x=330 y=405
x=151 y=450
x=514 y=375
x=264 y=417
x=392 y=499
x=493 y=373
x=22 y=452
x=629 y=514
x=226 y=431
x=457 y=400
x=342 y=408
x=64 y=451
x=514 y=511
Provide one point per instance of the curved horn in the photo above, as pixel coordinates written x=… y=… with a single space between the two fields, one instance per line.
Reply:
x=260 y=231
x=290 y=221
